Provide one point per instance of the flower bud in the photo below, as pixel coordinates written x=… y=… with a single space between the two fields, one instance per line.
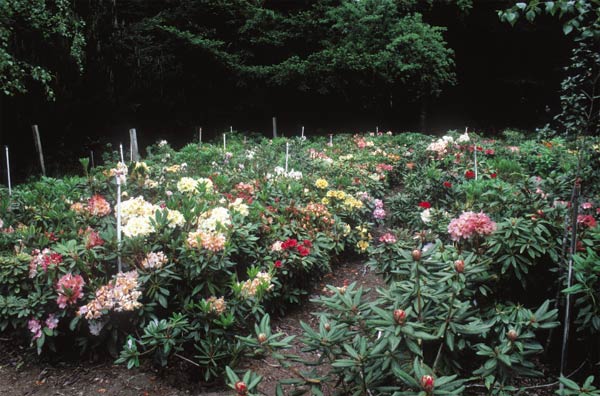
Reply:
x=262 y=337
x=512 y=335
x=416 y=254
x=459 y=266
x=327 y=326
x=427 y=383
x=241 y=388
x=399 y=316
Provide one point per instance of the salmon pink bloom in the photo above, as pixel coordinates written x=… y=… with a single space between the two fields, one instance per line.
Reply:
x=470 y=224
x=69 y=288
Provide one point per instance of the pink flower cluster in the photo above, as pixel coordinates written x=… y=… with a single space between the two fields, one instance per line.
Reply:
x=98 y=206
x=379 y=212
x=91 y=238
x=387 y=238
x=35 y=326
x=384 y=167
x=470 y=224
x=44 y=259
x=69 y=288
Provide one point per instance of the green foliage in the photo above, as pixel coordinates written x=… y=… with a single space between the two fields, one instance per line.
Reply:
x=24 y=25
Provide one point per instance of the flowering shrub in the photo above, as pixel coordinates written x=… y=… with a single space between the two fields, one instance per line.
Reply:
x=213 y=242
x=470 y=225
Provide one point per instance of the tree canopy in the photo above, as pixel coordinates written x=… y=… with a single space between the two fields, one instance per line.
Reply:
x=27 y=27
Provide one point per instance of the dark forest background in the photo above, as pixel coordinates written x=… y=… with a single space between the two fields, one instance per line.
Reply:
x=166 y=83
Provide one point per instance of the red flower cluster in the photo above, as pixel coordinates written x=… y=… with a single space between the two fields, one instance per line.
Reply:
x=587 y=220
x=447 y=184
x=302 y=248
x=424 y=205
x=470 y=174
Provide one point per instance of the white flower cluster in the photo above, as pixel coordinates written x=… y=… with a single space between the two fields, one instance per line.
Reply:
x=193 y=186
x=136 y=215
x=280 y=172
x=240 y=207
x=213 y=219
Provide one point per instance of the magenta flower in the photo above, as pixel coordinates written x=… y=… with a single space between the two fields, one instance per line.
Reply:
x=35 y=328
x=379 y=213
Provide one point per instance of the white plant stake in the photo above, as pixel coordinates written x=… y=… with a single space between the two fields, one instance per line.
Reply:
x=231 y=129
x=200 y=135
x=302 y=136
x=287 y=155
x=8 y=171
x=330 y=140
x=224 y=143
x=121 y=152
x=377 y=130
x=475 y=154
x=119 y=265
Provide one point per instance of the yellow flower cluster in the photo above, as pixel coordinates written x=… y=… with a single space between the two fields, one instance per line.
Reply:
x=337 y=194
x=362 y=245
x=322 y=184
x=365 y=237
x=353 y=203
x=187 y=185
x=173 y=168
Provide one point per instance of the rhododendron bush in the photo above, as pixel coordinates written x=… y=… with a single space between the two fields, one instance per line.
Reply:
x=213 y=241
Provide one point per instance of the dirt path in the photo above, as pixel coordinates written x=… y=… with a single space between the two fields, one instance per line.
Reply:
x=21 y=373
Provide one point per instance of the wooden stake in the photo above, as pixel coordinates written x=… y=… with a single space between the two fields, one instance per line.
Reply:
x=274 y=127
x=134 y=152
x=92 y=158
x=38 y=146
